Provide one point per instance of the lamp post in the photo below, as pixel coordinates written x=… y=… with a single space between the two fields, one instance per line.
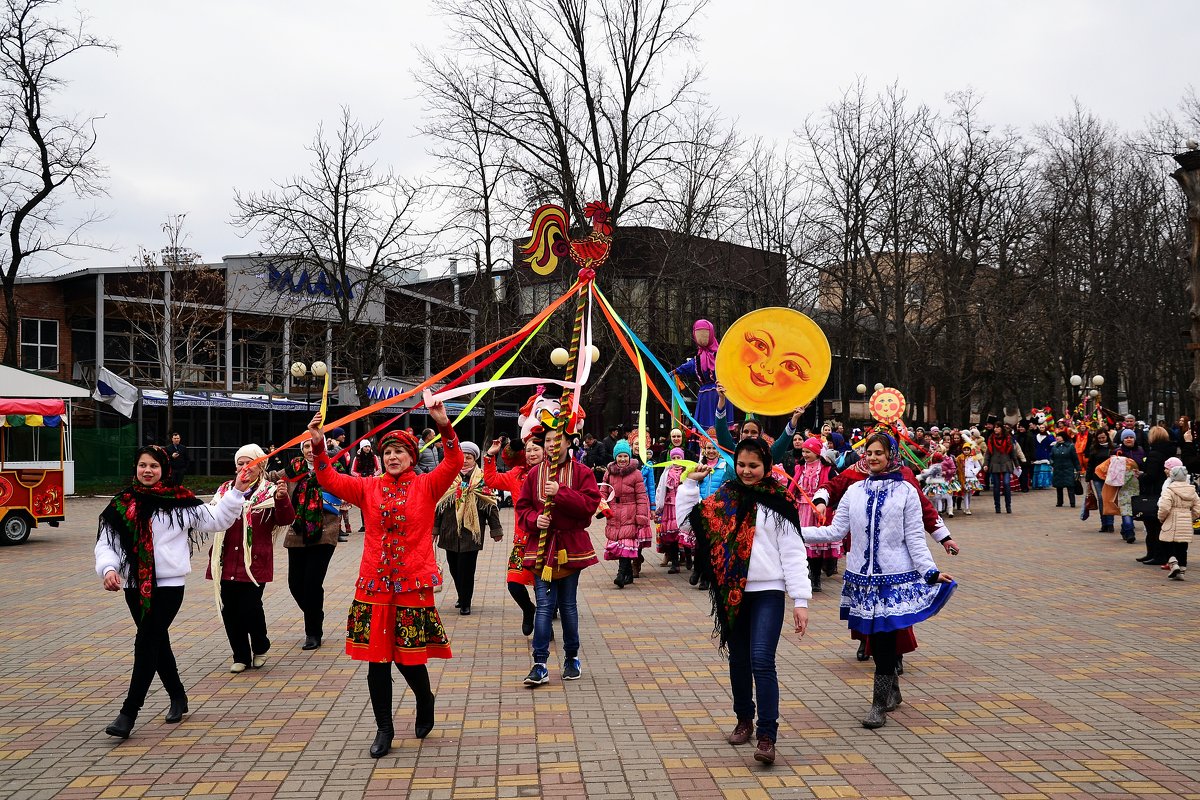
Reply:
x=1188 y=177
x=301 y=370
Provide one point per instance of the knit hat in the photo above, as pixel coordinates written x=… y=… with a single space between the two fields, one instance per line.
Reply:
x=470 y=449
x=251 y=451
x=1171 y=463
x=403 y=439
x=363 y=445
x=622 y=447
x=813 y=444
x=1178 y=475
x=676 y=453
x=336 y=432
x=1128 y=434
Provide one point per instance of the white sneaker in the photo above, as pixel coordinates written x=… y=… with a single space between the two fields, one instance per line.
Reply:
x=950 y=514
x=237 y=667
x=258 y=662
x=967 y=512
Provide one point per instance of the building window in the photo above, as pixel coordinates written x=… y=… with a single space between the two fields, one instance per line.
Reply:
x=39 y=344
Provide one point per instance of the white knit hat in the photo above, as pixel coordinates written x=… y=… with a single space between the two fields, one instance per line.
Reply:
x=252 y=451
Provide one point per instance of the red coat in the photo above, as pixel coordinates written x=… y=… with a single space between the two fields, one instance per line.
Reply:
x=630 y=505
x=510 y=482
x=404 y=562
x=569 y=519
x=262 y=557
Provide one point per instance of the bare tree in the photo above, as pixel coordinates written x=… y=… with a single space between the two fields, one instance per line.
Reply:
x=44 y=155
x=349 y=227
x=170 y=305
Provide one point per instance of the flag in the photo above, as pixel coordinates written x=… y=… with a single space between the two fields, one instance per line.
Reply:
x=116 y=391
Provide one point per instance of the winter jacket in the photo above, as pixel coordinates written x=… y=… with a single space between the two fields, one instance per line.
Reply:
x=570 y=517
x=630 y=505
x=1178 y=507
x=172 y=545
x=262 y=555
x=1097 y=455
x=1065 y=463
x=1000 y=462
x=1154 y=470
x=427 y=460
x=1117 y=501
x=778 y=559
x=454 y=538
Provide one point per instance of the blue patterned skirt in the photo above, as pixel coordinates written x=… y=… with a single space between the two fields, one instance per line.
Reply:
x=882 y=603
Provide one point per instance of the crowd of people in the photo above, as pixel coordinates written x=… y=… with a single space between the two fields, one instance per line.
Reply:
x=750 y=518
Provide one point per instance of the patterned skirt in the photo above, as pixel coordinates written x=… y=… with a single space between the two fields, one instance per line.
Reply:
x=880 y=603
x=687 y=539
x=825 y=550
x=622 y=548
x=407 y=630
x=516 y=572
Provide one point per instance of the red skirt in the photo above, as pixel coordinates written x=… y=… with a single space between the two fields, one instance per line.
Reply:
x=516 y=571
x=405 y=629
x=906 y=640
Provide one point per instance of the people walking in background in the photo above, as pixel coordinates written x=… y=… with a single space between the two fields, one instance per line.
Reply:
x=1178 y=510
x=1003 y=458
x=668 y=524
x=143 y=545
x=1154 y=474
x=629 y=518
x=521 y=462
x=365 y=465
x=1099 y=451
x=1065 y=469
x=1120 y=476
x=179 y=460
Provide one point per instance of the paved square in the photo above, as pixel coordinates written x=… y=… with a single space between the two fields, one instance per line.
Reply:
x=1061 y=668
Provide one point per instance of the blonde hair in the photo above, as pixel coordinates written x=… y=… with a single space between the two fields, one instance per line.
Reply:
x=1159 y=434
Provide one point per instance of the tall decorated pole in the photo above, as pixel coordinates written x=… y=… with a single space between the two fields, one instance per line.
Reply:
x=549 y=243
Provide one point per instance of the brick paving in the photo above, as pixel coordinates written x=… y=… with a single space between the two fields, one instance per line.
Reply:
x=1060 y=669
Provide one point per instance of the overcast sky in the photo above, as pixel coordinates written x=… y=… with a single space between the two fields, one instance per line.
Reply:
x=207 y=96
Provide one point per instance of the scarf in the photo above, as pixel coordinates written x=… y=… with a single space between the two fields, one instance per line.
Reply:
x=706 y=357
x=724 y=524
x=672 y=478
x=466 y=494
x=1000 y=444
x=306 y=498
x=126 y=520
x=259 y=498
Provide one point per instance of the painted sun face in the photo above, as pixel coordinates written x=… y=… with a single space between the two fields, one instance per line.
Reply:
x=887 y=405
x=773 y=360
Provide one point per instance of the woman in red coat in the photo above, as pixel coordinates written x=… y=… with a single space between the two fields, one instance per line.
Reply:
x=393 y=617
x=245 y=561
x=520 y=464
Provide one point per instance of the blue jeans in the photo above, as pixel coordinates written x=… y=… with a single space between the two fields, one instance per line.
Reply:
x=1001 y=481
x=549 y=594
x=1106 y=520
x=1127 y=528
x=752 y=646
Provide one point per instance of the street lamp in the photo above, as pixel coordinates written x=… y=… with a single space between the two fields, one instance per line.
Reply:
x=301 y=370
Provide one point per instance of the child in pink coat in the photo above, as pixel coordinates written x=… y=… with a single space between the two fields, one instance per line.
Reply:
x=629 y=513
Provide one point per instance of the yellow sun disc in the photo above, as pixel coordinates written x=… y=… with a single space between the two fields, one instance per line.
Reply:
x=773 y=360
x=887 y=405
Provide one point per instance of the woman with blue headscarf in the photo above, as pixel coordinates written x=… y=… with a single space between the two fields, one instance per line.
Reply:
x=891 y=580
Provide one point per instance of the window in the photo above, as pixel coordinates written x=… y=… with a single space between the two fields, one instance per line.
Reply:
x=39 y=344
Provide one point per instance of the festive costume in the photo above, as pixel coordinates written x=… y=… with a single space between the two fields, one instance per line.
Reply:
x=703 y=369
x=629 y=521
x=392 y=617
x=668 y=524
x=310 y=543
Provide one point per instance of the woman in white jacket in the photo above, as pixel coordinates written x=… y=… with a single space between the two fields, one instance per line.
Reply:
x=144 y=545
x=748 y=546
x=891 y=579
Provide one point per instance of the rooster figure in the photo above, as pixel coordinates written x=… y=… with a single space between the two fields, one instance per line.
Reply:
x=550 y=241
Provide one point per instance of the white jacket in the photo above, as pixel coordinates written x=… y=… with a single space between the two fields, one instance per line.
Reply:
x=778 y=559
x=172 y=550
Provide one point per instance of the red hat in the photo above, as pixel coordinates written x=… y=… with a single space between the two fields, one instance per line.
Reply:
x=402 y=438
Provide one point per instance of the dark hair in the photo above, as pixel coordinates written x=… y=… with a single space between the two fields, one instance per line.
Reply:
x=756 y=446
x=881 y=438
x=154 y=451
x=753 y=422
x=176 y=433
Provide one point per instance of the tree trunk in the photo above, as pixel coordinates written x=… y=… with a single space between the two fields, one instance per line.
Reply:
x=11 y=326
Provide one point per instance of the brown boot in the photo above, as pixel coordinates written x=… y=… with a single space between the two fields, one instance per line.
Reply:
x=741 y=734
x=765 y=752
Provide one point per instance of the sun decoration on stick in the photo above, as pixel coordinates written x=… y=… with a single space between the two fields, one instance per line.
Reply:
x=887 y=405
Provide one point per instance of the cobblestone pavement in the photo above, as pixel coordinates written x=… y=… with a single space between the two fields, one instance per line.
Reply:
x=1060 y=669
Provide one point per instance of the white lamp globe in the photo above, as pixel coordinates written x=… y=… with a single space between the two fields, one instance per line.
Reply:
x=298 y=369
x=1094 y=393
x=878 y=386
x=559 y=356
x=594 y=352
x=1098 y=381
x=319 y=369
x=861 y=388
x=1076 y=380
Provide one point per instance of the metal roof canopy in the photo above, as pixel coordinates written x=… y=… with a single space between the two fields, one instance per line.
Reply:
x=20 y=383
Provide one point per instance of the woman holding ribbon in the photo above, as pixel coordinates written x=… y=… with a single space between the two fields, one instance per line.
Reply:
x=144 y=545
x=393 y=618
x=243 y=559
x=891 y=580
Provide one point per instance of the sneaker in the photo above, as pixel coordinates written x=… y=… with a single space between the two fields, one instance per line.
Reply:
x=571 y=670
x=741 y=733
x=343 y=537
x=538 y=675
x=765 y=752
x=1174 y=568
x=967 y=512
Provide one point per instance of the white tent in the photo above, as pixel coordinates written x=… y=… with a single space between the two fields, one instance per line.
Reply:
x=19 y=383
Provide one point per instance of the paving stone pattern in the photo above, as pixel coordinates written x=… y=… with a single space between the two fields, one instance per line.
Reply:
x=1061 y=668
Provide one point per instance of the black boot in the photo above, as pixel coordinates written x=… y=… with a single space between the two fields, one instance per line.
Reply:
x=121 y=727
x=830 y=566
x=694 y=578
x=703 y=585
x=425 y=712
x=178 y=708
x=894 y=697
x=882 y=694
x=379 y=682
x=687 y=559
x=417 y=678
x=814 y=574
x=673 y=559
x=899 y=664
x=861 y=655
